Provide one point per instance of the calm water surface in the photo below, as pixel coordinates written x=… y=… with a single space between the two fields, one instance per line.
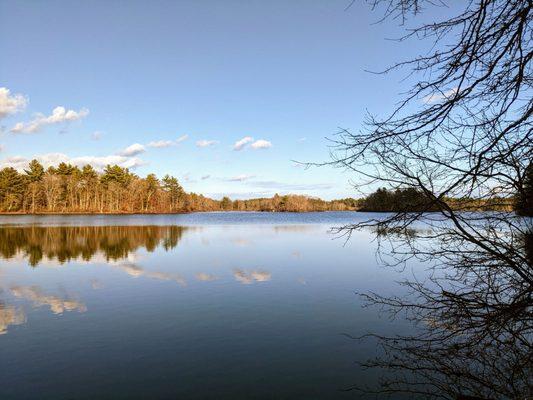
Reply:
x=196 y=306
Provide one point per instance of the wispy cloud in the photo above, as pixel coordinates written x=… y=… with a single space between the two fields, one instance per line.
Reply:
x=264 y=188
x=239 y=144
x=132 y=150
x=438 y=96
x=206 y=143
x=11 y=104
x=59 y=115
x=182 y=138
x=241 y=178
x=240 y=195
x=281 y=186
x=158 y=144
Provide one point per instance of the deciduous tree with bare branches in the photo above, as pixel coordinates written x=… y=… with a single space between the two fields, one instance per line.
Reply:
x=463 y=131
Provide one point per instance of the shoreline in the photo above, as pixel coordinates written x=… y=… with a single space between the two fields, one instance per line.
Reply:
x=3 y=213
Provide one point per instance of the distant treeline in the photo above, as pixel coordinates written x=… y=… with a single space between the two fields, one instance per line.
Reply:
x=293 y=203
x=69 y=189
x=412 y=200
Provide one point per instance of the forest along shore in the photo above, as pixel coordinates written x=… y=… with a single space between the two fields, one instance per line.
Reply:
x=68 y=189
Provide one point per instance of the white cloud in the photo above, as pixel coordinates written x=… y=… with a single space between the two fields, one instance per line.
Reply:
x=261 y=144
x=240 y=195
x=182 y=138
x=436 y=97
x=52 y=159
x=290 y=186
x=263 y=188
x=247 y=141
x=206 y=143
x=167 y=143
x=59 y=115
x=132 y=150
x=11 y=104
x=241 y=178
x=158 y=144
x=239 y=144
x=99 y=163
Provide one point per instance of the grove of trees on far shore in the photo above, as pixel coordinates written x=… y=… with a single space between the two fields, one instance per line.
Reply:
x=70 y=189
x=67 y=188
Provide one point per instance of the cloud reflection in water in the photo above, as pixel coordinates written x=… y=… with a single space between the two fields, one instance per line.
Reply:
x=247 y=278
x=10 y=315
x=205 y=277
x=57 y=304
x=136 y=271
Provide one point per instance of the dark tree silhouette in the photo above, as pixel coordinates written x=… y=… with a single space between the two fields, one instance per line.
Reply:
x=463 y=131
x=524 y=200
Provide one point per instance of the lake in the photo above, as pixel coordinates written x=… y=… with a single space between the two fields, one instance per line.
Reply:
x=192 y=306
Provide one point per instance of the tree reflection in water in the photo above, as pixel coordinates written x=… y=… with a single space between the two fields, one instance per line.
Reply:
x=66 y=243
x=63 y=244
x=472 y=315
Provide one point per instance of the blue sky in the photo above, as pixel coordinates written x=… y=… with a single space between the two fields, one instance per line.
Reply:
x=171 y=86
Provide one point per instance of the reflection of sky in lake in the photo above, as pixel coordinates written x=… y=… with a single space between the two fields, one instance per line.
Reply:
x=217 y=310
